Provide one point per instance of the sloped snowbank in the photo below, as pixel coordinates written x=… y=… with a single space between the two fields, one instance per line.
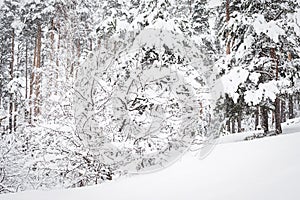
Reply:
x=267 y=168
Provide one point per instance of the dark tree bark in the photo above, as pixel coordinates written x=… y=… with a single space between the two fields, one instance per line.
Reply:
x=26 y=80
x=233 y=125
x=32 y=80
x=11 y=100
x=291 y=106
x=91 y=44
x=228 y=125
x=278 y=129
x=264 y=119
x=256 y=117
x=239 y=121
x=38 y=76
x=227 y=112
x=228 y=34
x=26 y=72
x=227 y=11
x=15 y=116
x=291 y=114
x=283 y=108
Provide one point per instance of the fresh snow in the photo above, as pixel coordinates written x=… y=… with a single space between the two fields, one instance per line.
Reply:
x=232 y=80
x=265 y=168
x=265 y=90
x=214 y=3
x=271 y=28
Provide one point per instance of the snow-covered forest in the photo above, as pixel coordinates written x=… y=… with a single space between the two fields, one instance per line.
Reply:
x=91 y=91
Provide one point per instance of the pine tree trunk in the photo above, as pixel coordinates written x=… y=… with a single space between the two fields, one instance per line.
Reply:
x=228 y=125
x=291 y=106
x=227 y=11
x=32 y=81
x=58 y=47
x=16 y=103
x=264 y=119
x=91 y=44
x=228 y=47
x=52 y=40
x=38 y=76
x=233 y=125
x=57 y=57
x=290 y=96
x=227 y=112
x=11 y=101
x=26 y=80
x=15 y=116
x=239 y=121
x=51 y=76
x=283 y=108
x=256 y=117
x=278 y=129
x=227 y=20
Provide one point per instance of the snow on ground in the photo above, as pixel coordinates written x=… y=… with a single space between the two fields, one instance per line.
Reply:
x=237 y=137
x=266 y=168
x=291 y=126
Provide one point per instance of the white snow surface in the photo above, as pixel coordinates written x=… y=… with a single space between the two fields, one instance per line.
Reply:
x=270 y=28
x=214 y=3
x=232 y=80
x=263 y=169
x=265 y=90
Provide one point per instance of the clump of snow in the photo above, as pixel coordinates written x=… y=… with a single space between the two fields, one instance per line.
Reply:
x=232 y=80
x=254 y=77
x=169 y=25
x=214 y=3
x=264 y=91
x=271 y=28
x=294 y=17
x=242 y=50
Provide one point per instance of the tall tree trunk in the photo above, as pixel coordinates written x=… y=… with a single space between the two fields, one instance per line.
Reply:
x=58 y=47
x=26 y=80
x=239 y=121
x=227 y=112
x=91 y=44
x=227 y=11
x=57 y=57
x=233 y=125
x=278 y=129
x=52 y=40
x=283 y=108
x=264 y=119
x=228 y=34
x=32 y=81
x=290 y=96
x=291 y=106
x=11 y=100
x=228 y=125
x=38 y=75
x=15 y=115
x=228 y=47
x=256 y=117
x=51 y=76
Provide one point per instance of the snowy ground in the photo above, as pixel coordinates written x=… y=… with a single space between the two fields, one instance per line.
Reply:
x=266 y=168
